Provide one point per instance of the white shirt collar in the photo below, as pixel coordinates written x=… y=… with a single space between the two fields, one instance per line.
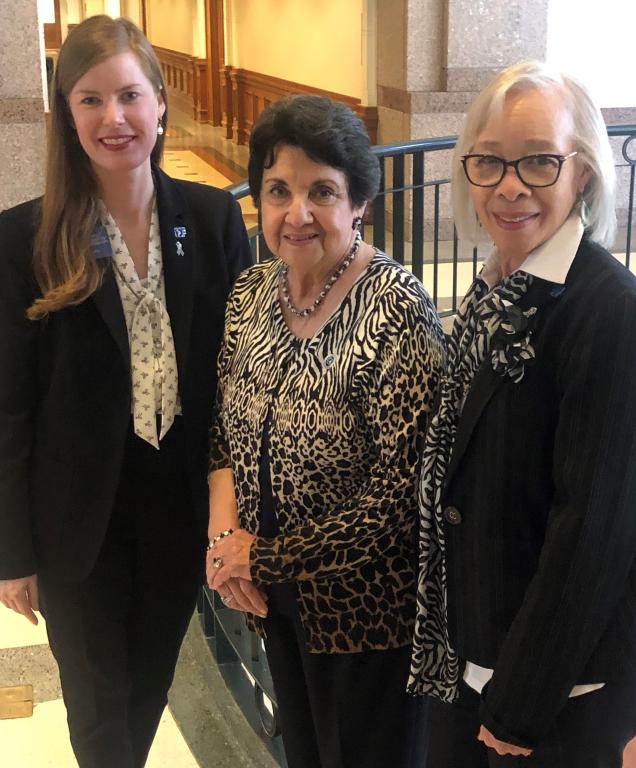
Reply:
x=550 y=261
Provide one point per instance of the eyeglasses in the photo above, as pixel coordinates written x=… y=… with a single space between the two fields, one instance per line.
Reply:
x=532 y=170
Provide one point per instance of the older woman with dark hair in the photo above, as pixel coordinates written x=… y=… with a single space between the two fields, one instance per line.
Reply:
x=330 y=363
x=527 y=600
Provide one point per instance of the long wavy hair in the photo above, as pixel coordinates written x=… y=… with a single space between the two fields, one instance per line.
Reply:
x=65 y=269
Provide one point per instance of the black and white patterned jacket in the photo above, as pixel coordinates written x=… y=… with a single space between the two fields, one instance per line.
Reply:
x=346 y=408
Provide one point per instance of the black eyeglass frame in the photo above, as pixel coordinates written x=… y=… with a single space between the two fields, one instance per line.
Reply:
x=515 y=164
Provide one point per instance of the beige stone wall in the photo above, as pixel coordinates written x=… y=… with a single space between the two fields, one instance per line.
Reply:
x=177 y=24
x=132 y=9
x=22 y=136
x=482 y=38
x=73 y=10
x=315 y=43
x=94 y=7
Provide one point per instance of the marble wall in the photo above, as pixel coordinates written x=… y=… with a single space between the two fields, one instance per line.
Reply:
x=22 y=132
x=433 y=58
x=435 y=55
x=485 y=37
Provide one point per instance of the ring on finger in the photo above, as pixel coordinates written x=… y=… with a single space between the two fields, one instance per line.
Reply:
x=227 y=599
x=217 y=562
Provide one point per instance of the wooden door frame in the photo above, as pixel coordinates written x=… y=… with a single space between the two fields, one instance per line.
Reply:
x=53 y=32
x=215 y=55
x=144 y=23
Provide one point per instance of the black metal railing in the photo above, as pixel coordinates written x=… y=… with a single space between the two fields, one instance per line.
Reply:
x=628 y=152
x=411 y=220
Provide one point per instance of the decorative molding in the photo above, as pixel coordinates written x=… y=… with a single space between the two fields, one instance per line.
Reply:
x=200 y=97
x=248 y=93
x=394 y=98
x=469 y=78
x=186 y=81
x=419 y=102
x=228 y=101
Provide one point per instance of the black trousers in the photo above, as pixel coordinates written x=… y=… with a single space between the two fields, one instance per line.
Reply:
x=590 y=732
x=341 y=710
x=116 y=635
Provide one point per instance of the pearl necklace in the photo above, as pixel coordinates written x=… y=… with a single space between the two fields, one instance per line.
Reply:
x=284 y=282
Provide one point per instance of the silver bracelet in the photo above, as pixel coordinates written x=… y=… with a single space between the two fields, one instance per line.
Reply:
x=220 y=536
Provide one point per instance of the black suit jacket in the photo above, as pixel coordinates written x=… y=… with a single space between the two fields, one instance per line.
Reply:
x=541 y=558
x=65 y=384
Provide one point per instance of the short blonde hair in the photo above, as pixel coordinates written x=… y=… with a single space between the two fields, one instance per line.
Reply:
x=590 y=140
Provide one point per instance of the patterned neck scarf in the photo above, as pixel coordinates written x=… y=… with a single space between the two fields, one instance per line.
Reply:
x=434 y=663
x=152 y=352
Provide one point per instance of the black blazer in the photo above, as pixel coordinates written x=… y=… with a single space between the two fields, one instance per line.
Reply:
x=65 y=385
x=541 y=557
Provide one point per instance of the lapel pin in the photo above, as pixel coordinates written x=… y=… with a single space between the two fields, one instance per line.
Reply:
x=100 y=244
x=180 y=232
x=179 y=248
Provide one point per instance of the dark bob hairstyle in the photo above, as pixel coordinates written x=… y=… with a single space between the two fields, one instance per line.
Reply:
x=327 y=131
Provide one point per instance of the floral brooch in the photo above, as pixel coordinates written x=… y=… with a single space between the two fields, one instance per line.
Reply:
x=511 y=349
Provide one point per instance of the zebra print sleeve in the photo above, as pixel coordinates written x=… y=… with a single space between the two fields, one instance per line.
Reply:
x=220 y=453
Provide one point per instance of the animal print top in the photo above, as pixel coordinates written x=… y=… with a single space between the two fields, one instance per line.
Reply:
x=346 y=408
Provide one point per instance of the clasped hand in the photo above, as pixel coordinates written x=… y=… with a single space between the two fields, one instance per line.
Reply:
x=228 y=572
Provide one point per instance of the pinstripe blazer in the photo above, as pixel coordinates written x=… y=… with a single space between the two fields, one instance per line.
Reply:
x=540 y=502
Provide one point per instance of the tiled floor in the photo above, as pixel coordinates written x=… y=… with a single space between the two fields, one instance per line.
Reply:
x=185 y=164
x=194 y=165
x=42 y=741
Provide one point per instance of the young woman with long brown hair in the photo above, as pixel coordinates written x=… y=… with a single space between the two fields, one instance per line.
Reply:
x=112 y=297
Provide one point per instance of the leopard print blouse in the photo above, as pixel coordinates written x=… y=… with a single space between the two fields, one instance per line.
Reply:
x=346 y=409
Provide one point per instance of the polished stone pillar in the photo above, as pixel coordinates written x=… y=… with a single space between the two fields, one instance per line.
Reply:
x=22 y=132
x=484 y=37
x=433 y=58
x=435 y=55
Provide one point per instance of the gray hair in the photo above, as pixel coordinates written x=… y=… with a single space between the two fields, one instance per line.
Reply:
x=590 y=140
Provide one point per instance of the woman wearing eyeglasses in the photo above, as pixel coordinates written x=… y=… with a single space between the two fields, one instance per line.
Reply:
x=526 y=628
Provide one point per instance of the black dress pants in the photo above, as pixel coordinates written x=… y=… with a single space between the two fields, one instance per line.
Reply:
x=346 y=710
x=590 y=732
x=116 y=635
